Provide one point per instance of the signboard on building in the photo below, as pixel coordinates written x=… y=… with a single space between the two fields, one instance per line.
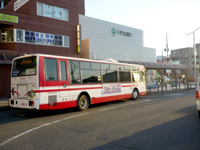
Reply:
x=19 y=3
x=116 y=32
x=8 y=18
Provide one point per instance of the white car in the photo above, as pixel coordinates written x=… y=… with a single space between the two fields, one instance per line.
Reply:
x=197 y=95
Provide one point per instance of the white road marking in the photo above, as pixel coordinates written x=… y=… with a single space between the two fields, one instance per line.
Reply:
x=36 y=128
x=48 y=124
x=126 y=103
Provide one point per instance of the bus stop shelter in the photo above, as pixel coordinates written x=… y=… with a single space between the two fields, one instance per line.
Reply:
x=162 y=67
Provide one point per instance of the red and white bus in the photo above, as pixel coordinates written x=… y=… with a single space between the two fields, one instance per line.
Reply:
x=54 y=82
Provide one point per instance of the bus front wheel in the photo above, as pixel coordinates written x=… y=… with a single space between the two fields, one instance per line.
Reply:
x=83 y=103
x=199 y=114
x=135 y=94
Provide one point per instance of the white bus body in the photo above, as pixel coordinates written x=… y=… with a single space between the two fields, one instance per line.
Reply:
x=53 y=82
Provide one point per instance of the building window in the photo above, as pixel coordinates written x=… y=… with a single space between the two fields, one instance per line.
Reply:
x=39 y=38
x=32 y=37
x=57 y=13
x=58 y=40
x=19 y=35
x=49 y=39
x=65 y=14
x=40 y=9
x=7 y=35
x=48 y=10
x=2 y=4
x=52 y=11
x=66 y=41
x=29 y=37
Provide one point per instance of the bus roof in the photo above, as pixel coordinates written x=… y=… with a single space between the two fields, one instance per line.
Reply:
x=75 y=58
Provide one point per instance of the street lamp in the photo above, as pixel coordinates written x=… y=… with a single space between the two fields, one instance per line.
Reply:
x=194 y=46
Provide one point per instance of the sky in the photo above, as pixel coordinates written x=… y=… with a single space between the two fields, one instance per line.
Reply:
x=156 y=18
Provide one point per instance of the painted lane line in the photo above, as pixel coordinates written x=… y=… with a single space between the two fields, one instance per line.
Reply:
x=48 y=124
x=36 y=128
x=170 y=97
x=126 y=103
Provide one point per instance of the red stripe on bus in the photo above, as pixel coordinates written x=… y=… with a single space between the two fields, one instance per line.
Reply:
x=60 y=105
x=94 y=100
x=61 y=90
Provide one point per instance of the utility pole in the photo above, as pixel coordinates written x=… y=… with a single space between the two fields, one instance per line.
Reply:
x=195 y=63
x=167 y=49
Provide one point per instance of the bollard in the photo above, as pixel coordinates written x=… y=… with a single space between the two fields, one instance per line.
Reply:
x=158 y=88
x=179 y=86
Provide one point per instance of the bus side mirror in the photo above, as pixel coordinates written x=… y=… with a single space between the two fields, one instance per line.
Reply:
x=99 y=78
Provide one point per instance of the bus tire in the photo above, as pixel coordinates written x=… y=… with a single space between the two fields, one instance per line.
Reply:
x=135 y=94
x=83 y=102
x=199 y=114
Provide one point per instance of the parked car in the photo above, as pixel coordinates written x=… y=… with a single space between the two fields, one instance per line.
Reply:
x=197 y=95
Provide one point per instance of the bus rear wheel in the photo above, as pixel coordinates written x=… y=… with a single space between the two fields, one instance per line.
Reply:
x=83 y=102
x=135 y=94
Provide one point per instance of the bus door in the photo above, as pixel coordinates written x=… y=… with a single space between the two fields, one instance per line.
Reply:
x=63 y=80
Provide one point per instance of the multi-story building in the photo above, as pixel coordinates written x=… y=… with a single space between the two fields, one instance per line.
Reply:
x=186 y=56
x=37 y=26
x=54 y=27
x=103 y=39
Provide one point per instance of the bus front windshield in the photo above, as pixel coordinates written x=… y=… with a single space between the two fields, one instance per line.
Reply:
x=24 y=67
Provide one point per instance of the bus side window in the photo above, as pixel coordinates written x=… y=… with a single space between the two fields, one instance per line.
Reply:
x=51 y=71
x=135 y=74
x=142 y=76
x=63 y=71
x=109 y=73
x=74 y=73
x=90 y=72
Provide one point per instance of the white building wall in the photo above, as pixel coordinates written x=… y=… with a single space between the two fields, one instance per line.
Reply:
x=119 y=46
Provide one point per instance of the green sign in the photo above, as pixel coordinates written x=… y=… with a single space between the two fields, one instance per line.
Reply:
x=113 y=31
x=120 y=33
x=8 y=18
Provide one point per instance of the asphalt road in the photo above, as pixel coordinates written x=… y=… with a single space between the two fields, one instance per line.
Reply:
x=163 y=121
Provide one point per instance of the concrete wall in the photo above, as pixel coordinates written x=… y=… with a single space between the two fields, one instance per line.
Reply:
x=110 y=40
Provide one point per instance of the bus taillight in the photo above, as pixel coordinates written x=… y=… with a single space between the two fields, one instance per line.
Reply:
x=31 y=103
x=12 y=102
x=197 y=95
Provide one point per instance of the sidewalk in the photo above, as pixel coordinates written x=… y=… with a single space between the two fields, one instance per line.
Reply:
x=4 y=103
x=170 y=87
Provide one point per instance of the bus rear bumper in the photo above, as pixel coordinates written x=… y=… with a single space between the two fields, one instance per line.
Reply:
x=198 y=105
x=24 y=103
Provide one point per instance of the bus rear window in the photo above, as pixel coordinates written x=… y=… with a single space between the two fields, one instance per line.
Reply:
x=24 y=67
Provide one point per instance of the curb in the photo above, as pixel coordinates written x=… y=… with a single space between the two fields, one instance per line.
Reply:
x=4 y=105
x=156 y=92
